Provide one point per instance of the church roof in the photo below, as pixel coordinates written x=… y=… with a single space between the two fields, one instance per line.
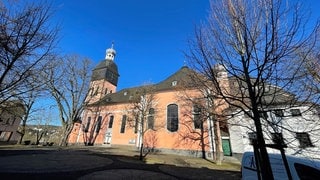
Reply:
x=183 y=77
x=107 y=64
x=107 y=69
x=178 y=79
x=100 y=71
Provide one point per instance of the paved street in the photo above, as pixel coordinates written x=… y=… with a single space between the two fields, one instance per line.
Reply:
x=19 y=162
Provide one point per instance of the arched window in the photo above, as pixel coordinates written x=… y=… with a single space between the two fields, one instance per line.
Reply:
x=98 y=124
x=123 y=123
x=151 y=118
x=172 y=117
x=197 y=121
x=97 y=91
x=86 y=129
x=111 y=122
x=92 y=91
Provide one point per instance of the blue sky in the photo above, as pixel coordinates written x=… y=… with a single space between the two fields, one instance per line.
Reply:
x=149 y=36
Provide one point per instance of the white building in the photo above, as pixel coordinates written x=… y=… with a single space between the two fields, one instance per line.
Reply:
x=299 y=126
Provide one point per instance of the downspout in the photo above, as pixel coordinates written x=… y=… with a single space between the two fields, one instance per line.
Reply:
x=210 y=127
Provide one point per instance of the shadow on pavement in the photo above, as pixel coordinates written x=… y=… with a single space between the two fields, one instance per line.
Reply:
x=56 y=163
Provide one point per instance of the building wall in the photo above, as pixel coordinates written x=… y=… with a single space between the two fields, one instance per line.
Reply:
x=308 y=122
x=98 y=89
x=186 y=138
x=10 y=119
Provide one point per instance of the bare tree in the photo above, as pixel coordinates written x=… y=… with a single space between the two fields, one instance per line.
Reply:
x=255 y=42
x=28 y=99
x=42 y=121
x=142 y=107
x=26 y=40
x=204 y=109
x=28 y=104
x=93 y=125
x=68 y=83
x=195 y=113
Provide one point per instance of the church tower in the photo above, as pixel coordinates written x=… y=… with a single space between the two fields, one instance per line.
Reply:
x=104 y=78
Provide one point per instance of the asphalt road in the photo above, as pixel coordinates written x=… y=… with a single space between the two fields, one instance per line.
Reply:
x=100 y=163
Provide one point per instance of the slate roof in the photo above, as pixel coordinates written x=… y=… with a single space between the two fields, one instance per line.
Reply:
x=184 y=78
x=181 y=77
x=104 y=65
x=107 y=63
x=273 y=95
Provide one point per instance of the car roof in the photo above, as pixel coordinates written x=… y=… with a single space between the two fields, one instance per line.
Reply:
x=295 y=159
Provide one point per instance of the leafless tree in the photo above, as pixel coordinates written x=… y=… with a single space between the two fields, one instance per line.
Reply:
x=26 y=40
x=68 y=83
x=255 y=42
x=41 y=120
x=28 y=104
x=204 y=110
x=142 y=108
x=29 y=99
x=92 y=126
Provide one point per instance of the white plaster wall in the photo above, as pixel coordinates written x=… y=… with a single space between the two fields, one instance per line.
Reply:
x=309 y=122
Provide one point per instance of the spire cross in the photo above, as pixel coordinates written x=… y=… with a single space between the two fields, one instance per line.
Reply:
x=112 y=44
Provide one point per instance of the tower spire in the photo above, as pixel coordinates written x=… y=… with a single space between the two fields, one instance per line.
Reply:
x=110 y=52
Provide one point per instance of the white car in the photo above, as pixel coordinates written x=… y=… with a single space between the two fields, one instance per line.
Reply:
x=300 y=168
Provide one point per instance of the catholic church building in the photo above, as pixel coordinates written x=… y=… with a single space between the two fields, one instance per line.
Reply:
x=163 y=117
x=173 y=116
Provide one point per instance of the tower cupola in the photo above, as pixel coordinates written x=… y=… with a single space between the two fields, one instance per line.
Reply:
x=107 y=68
x=110 y=53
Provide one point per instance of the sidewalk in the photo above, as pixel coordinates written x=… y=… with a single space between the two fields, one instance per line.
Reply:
x=105 y=163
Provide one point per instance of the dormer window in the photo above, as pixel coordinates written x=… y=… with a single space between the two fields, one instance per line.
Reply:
x=173 y=83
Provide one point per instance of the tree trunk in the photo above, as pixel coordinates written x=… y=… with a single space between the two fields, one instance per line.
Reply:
x=23 y=128
x=141 y=152
x=218 y=142
x=21 y=137
x=66 y=133
x=202 y=142
x=266 y=171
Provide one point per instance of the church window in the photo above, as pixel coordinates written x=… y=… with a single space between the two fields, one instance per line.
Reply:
x=92 y=91
x=111 y=121
x=151 y=118
x=172 y=117
x=197 y=117
x=96 y=92
x=123 y=123
x=98 y=124
x=136 y=124
x=86 y=129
